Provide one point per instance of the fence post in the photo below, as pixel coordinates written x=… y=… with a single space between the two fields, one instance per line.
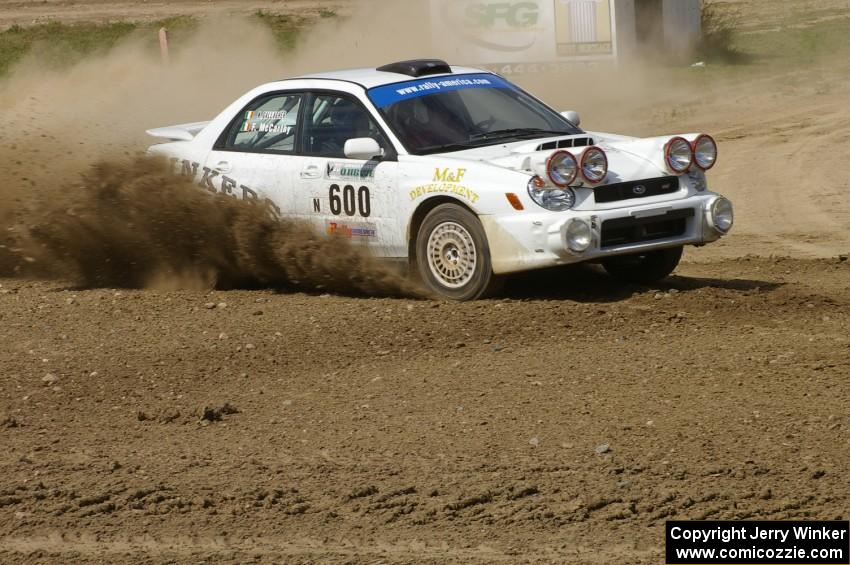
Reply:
x=163 y=45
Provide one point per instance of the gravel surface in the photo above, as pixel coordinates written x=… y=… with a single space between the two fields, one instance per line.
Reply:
x=565 y=422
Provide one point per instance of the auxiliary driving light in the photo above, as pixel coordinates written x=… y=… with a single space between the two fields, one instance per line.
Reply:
x=579 y=236
x=562 y=168
x=679 y=155
x=594 y=165
x=705 y=152
x=722 y=215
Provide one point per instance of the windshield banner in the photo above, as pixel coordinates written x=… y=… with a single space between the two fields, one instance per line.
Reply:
x=384 y=96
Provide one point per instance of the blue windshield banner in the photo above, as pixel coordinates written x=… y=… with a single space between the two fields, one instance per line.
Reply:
x=383 y=96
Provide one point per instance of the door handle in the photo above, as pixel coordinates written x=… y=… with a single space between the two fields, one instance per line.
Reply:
x=311 y=172
x=223 y=167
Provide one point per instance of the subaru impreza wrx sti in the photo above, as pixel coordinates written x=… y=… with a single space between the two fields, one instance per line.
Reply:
x=457 y=172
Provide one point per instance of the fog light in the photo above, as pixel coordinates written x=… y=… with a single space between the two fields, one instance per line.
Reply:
x=579 y=236
x=722 y=215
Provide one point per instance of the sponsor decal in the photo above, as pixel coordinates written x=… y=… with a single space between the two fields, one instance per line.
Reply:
x=352 y=231
x=502 y=14
x=498 y=26
x=445 y=175
x=527 y=29
x=347 y=171
x=446 y=181
x=388 y=95
x=216 y=183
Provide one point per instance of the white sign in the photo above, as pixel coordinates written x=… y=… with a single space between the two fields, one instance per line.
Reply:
x=494 y=32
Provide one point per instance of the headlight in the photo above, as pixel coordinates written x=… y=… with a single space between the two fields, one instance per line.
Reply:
x=594 y=165
x=554 y=199
x=705 y=152
x=579 y=236
x=679 y=155
x=722 y=215
x=562 y=168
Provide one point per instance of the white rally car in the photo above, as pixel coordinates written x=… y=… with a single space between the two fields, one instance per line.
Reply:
x=457 y=172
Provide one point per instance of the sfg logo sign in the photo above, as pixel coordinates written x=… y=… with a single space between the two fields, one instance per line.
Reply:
x=502 y=14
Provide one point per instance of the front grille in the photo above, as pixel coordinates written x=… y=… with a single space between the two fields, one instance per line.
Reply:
x=632 y=189
x=624 y=231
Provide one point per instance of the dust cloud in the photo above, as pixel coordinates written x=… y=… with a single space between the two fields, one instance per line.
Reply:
x=80 y=202
x=610 y=97
x=69 y=135
x=132 y=223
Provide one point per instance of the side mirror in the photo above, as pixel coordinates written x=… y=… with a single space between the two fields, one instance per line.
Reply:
x=364 y=148
x=572 y=116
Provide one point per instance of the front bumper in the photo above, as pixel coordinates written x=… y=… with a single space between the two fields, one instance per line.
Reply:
x=529 y=241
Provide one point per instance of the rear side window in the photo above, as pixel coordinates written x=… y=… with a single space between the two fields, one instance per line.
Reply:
x=267 y=125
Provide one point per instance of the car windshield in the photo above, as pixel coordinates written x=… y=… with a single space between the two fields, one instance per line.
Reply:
x=447 y=114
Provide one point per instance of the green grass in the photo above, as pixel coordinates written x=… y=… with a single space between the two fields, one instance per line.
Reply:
x=284 y=28
x=820 y=49
x=55 y=45
x=58 y=44
x=800 y=45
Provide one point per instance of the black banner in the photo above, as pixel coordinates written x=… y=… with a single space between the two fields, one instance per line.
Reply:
x=758 y=543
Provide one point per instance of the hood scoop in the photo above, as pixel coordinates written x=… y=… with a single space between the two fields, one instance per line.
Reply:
x=565 y=143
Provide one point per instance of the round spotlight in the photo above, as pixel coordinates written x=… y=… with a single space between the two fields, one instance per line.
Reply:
x=705 y=152
x=562 y=168
x=594 y=165
x=679 y=155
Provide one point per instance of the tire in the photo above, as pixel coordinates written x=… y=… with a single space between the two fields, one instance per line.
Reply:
x=644 y=267
x=452 y=255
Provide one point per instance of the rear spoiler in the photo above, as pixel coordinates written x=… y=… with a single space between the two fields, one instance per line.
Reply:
x=182 y=132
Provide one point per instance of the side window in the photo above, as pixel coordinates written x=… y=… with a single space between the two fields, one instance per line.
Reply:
x=267 y=125
x=332 y=120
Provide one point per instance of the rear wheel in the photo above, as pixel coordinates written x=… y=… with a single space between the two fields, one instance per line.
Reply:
x=644 y=267
x=452 y=255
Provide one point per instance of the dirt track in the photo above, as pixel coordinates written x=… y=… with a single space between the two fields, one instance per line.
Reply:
x=397 y=431
x=231 y=427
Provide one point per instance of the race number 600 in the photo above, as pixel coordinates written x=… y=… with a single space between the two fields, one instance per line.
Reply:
x=349 y=200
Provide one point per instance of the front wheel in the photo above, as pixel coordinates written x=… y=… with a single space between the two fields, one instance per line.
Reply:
x=452 y=255
x=644 y=268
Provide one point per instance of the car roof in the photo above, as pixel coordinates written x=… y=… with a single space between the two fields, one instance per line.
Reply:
x=371 y=77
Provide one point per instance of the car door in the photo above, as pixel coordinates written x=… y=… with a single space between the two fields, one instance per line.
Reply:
x=255 y=157
x=353 y=198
